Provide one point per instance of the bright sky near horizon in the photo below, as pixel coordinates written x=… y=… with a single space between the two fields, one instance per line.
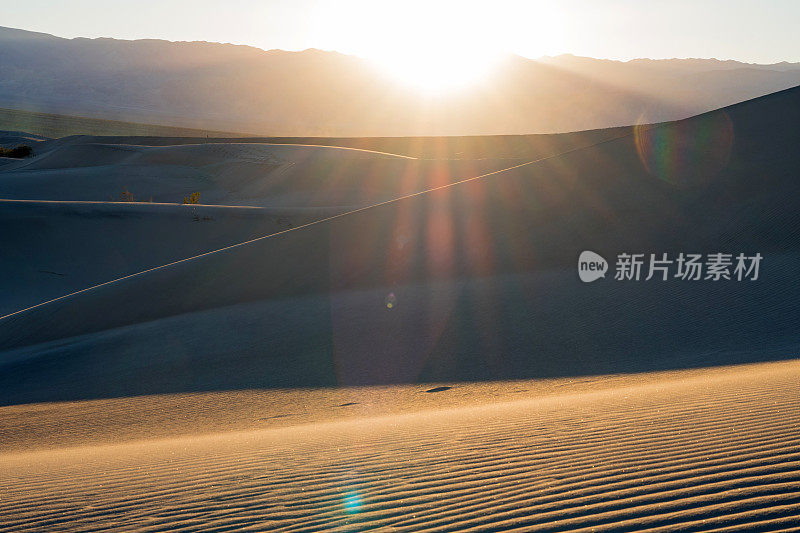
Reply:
x=746 y=30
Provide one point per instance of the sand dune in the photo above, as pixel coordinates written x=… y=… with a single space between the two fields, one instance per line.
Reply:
x=273 y=175
x=341 y=373
x=54 y=125
x=55 y=248
x=485 y=267
x=691 y=451
x=10 y=139
x=532 y=146
x=228 y=174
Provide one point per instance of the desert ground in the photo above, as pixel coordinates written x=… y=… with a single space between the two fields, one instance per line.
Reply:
x=699 y=450
x=391 y=333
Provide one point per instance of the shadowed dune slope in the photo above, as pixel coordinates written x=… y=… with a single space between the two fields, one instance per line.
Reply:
x=475 y=281
x=54 y=248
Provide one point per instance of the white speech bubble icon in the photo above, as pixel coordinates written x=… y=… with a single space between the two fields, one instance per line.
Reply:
x=591 y=266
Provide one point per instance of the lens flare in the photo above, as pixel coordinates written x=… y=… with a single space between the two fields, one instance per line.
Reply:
x=686 y=153
x=352 y=502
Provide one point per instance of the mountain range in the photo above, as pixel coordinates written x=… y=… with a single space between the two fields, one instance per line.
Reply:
x=320 y=93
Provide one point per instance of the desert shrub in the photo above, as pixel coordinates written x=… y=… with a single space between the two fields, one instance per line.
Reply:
x=193 y=198
x=126 y=196
x=17 y=152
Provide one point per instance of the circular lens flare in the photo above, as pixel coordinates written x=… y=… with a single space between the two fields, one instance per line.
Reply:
x=688 y=152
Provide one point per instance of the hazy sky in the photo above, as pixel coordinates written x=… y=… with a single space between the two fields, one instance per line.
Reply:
x=754 y=31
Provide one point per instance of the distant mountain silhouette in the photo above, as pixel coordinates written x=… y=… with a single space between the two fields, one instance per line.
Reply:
x=245 y=89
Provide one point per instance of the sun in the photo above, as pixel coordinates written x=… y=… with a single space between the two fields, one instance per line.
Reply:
x=439 y=46
x=429 y=46
x=435 y=67
x=433 y=47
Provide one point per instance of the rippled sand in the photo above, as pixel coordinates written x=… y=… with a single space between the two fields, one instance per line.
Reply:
x=689 y=450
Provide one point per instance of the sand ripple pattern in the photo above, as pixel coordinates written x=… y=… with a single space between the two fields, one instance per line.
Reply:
x=720 y=452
